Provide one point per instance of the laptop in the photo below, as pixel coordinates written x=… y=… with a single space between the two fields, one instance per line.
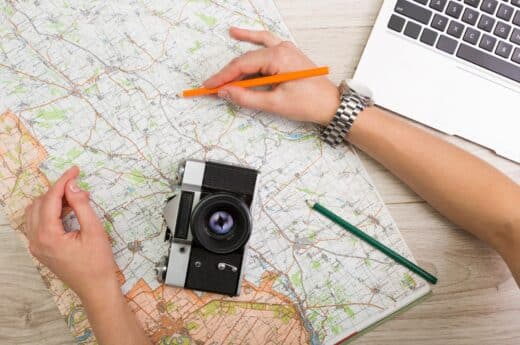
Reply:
x=451 y=65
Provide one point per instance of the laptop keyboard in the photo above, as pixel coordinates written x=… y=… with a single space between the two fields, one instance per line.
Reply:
x=483 y=32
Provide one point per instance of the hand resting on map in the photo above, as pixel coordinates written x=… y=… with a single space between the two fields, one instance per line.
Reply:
x=82 y=259
x=311 y=100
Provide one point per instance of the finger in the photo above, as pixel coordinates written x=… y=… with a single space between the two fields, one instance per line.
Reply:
x=265 y=38
x=53 y=199
x=79 y=201
x=66 y=209
x=253 y=99
x=249 y=63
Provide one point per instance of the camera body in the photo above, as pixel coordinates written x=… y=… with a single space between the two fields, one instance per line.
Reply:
x=208 y=226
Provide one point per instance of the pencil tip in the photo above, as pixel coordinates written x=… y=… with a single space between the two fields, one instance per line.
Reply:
x=310 y=203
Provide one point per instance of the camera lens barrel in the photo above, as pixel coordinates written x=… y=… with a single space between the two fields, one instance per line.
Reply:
x=221 y=223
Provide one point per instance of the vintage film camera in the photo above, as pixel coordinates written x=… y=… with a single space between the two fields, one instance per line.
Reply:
x=208 y=226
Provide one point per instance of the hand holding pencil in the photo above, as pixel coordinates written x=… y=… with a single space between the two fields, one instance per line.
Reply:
x=291 y=99
x=260 y=81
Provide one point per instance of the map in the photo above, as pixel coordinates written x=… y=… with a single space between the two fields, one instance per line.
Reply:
x=94 y=84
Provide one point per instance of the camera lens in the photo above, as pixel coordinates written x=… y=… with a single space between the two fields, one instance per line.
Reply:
x=221 y=222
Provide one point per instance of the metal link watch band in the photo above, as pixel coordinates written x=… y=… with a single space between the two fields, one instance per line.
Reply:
x=350 y=106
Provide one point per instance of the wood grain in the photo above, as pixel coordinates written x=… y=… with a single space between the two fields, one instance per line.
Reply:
x=476 y=300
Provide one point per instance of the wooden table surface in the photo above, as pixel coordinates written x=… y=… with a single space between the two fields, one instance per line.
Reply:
x=476 y=300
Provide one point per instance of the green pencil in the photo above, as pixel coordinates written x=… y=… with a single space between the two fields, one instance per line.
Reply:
x=373 y=242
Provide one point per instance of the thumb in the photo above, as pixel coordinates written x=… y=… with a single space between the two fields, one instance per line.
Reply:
x=253 y=99
x=78 y=200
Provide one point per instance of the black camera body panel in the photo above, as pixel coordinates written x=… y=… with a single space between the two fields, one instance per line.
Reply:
x=208 y=226
x=220 y=177
x=210 y=278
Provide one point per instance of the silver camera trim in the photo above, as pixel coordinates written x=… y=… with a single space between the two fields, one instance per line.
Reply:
x=192 y=175
x=180 y=250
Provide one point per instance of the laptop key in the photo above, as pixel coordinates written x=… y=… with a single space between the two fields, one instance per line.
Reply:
x=487 y=42
x=438 y=4
x=396 y=23
x=412 y=30
x=446 y=44
x=439 y=22
x=471 y=36
x=516 y=19
x=470 y=16
x=413 y=11
x=516 y=56
x=486 y=23
x=505 y=12
x=502 y=30
x=489 y=62
x=515 y=36
x=489 y=6
x=454 y=9
x=515 y=2
x=504 y=49
x=424 y=2
x=473 y=3
x=428 y=36
x=455 y=29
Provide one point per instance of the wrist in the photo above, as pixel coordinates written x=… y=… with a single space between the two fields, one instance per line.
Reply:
x=359 y=127
x=98 y=293
x=330 y=103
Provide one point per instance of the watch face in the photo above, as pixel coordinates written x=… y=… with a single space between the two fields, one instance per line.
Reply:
x=360 y=88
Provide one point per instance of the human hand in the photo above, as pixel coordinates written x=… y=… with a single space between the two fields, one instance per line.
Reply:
x=312 y=99
x=81 y=259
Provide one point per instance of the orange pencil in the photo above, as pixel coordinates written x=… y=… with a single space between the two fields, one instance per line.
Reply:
x=262 y=81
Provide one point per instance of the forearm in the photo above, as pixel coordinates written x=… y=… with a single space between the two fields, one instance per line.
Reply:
x=462 y=187
x=111 y=318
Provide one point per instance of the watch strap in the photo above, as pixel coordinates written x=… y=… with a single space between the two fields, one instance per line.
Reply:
x=350 y=106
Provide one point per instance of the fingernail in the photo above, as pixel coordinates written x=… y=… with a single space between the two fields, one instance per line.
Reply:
x=74 y=187
x=224 y=94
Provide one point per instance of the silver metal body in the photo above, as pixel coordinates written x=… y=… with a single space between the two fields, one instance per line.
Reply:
x=439 y=90
x=177 y=266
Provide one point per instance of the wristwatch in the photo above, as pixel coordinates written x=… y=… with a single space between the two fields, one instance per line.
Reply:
x=354 y=99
